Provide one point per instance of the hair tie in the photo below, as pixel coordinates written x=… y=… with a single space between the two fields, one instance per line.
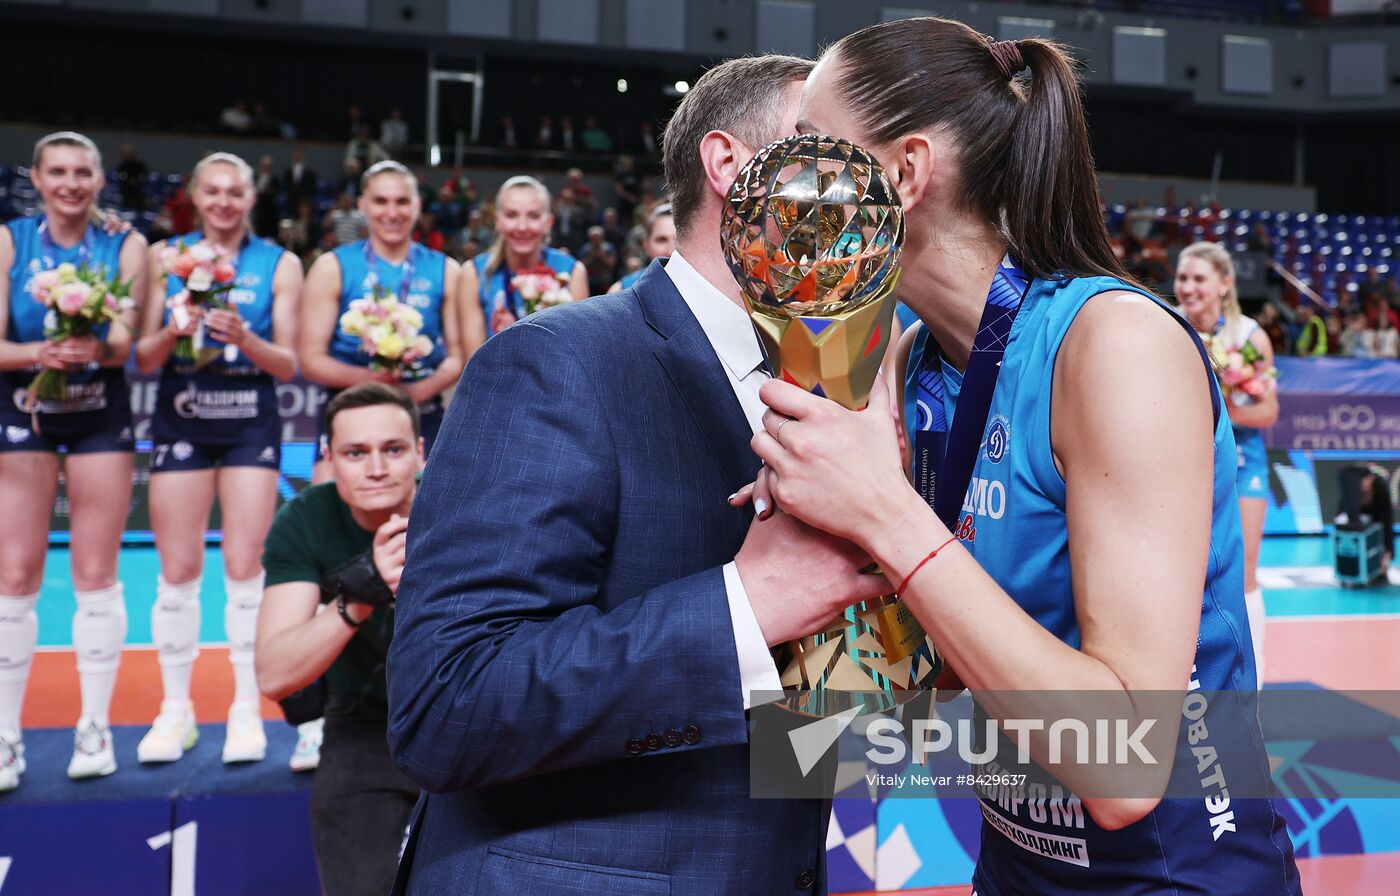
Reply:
x=1007 y=56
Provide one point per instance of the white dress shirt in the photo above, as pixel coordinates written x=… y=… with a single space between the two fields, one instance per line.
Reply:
x=730 y=332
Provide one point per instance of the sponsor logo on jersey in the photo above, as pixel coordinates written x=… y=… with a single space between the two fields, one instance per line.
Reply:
x=421 y=284
x=16 y=434
x=998 y=438
x=182 y=450
x=267 y=455
x=1222 y=817
x=1255 y=483
x=1072 y=850
x=216 y=404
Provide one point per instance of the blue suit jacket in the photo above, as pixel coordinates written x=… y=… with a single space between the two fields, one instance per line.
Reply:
x=563 y=678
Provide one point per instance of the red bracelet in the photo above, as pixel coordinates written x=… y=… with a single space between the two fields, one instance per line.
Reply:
x=931 y=554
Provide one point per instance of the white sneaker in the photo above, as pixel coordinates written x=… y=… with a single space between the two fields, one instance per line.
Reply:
x=92 y=749
x=244 y=740
x=307 y=754
x=11 y=759
x=173 y=732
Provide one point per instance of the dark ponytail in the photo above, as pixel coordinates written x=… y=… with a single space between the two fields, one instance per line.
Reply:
x=1026 y=166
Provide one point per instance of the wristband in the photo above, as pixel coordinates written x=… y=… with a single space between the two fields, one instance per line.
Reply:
x=340 y=608
x=931 y=554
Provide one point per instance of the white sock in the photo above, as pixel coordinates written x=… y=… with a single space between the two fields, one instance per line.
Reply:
x=99 y=629
x=1254 y=607
x=19 y=632
x=241 y=625
x=175 y=629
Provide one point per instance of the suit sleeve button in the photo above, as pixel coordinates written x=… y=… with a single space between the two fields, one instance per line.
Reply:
x=635 y=747
x=806 y=879
x=691 y=734
x=654 y=742
x=672 y=737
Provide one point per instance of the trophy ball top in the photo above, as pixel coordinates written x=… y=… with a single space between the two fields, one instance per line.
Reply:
x=812 y=227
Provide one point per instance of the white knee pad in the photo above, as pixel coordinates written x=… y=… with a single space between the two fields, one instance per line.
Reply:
x=241 y=616
x=175 y=621
x=19 y=632
x=99 y=628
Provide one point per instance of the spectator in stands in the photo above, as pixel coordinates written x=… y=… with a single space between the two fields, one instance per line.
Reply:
x=343 y=542
x=454 y=197
x=1271 y=322
x=613 y=231
x=594 y=138
x=476 y=228
x=1352 y=338
x=523 y=222
x=364 y=150
x=426 y=231
x=544 y=136
x=265 y=208
x=627 y=189
x=568 y=140
x=570 y=219
x=393 y=133
x=1373 y=302
x=180 y=209
x=344 y=223
x=1312 y=332
x=599 y=257
x=508 y=139
x=131 y=179
x=349 y=184
x=236 y=119
x=1139 y=221
x=298 y=180
x=1381 y=338
x=583 y=193
x=646 y=141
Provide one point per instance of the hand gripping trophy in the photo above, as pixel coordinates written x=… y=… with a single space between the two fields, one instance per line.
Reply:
x=812 y=230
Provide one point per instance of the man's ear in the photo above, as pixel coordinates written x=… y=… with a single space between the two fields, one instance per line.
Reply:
x=722 y=155
x=912 y=169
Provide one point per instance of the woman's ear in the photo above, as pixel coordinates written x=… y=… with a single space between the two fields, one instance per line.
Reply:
x=722 y=155
x=912 y=169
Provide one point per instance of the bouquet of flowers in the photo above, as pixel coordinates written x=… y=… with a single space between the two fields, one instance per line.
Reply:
x=388 y=331
x=79 y=300
x=541 y=287
x=1240 y=368
x=207 y=273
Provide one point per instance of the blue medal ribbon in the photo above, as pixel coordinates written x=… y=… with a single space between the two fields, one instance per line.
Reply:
x=944 y=458
x=372 y=277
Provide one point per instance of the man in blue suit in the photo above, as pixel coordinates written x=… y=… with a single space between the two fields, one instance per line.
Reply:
x=583 y=615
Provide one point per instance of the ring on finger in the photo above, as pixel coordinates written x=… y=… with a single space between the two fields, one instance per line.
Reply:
x=778 y=433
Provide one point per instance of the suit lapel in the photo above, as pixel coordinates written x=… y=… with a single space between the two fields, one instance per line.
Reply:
x=696 y=373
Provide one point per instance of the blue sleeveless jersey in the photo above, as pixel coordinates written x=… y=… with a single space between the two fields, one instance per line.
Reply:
x=1015 y=503
x=225 y=402
x=96 y=397
x=491 y=288
x=420 y=282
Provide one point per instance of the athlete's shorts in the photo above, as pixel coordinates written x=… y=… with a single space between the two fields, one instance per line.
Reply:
x=182 y=456
x=1252 y=475
x=18 y=435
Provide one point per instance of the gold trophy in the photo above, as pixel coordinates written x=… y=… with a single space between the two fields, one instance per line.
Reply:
x=813 y=230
